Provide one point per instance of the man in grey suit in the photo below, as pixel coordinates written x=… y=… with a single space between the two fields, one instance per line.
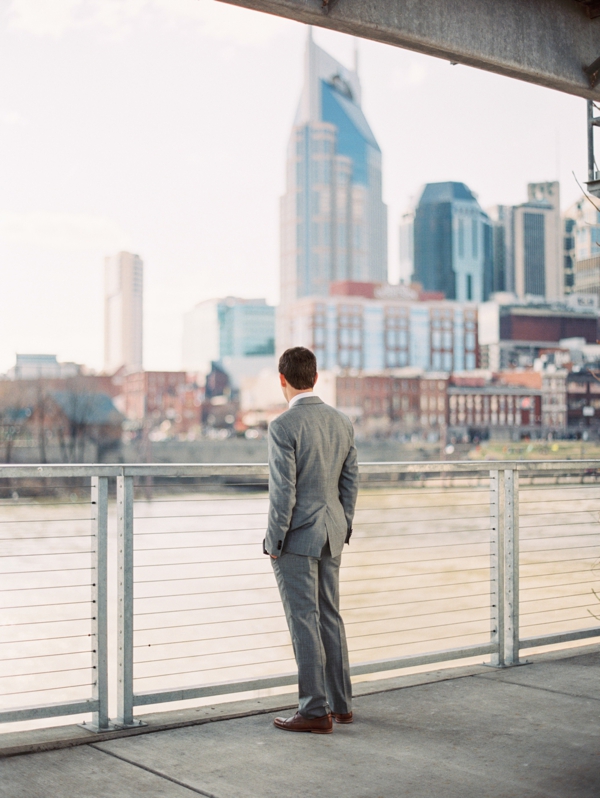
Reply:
x=313 y=484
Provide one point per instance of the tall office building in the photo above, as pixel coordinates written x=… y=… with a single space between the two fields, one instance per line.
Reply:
x=581 y=225
x=123 y=312
x=569 y=253
x=586 y=230
x=453 y=248
x=502 y=219
x=406 y=250
x=333 y=219
x=201 y=337
x=239 y=334
x=538 y=243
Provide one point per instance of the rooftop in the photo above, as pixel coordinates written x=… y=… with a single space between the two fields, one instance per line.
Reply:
x=500 y=389
x=475 y=731
x=446 y=192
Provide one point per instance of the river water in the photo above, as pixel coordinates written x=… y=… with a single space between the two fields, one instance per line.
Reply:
x=415 y=578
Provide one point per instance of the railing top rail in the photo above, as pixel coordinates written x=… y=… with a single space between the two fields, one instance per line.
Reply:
x=261 y=469
x=59 y=470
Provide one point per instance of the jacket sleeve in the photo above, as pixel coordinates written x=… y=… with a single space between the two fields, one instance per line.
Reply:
x=348 y=484
x=282 y=488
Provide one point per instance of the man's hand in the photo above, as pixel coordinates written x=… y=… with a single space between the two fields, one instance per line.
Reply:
x=272 y=556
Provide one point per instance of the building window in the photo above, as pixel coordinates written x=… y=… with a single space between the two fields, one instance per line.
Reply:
x=470 y=338
x=319 y=336
x=469 y=287
x=396 y=337
x=350 y=337
x=535 y=254
x=442 y=338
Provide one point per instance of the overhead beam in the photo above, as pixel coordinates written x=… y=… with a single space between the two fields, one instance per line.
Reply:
x=546 y=42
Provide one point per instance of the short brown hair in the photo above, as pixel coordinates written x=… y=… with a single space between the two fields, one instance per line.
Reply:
x=299 y=366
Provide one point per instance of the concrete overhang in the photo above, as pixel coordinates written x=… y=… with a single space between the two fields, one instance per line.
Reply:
x=552 y=43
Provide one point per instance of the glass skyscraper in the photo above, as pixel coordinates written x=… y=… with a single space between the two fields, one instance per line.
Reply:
x=221 y=329
x=453 y=246
x=333 y=219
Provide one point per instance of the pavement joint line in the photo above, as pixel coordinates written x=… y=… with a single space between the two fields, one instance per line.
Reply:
x=446 y=674
x=154 y=772
x=171 y=726
x=535 y=687
x=136 y=731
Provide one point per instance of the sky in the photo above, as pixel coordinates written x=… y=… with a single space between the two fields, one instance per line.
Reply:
x=161 y=126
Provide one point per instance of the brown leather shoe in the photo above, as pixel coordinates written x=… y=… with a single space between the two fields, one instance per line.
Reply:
x=299 y=723
x=343 y=717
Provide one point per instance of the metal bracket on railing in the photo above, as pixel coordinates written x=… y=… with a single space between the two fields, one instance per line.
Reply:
x=511 y=568
x=99 y=498
x=496 y=565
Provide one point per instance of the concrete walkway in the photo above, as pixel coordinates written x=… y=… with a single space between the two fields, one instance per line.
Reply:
x=528 y=732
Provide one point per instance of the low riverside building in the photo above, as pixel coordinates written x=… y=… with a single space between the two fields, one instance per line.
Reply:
x=514 y=335
x=405 y=401
x=399 y=401
x=494 y=411
x=553 y=385
x=169 y=398
x=514 y=404
x=583 y=401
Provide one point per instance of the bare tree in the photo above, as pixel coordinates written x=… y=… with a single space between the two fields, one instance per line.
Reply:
x=15 y=412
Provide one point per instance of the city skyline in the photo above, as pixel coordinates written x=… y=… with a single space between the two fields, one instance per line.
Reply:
x=94 y=168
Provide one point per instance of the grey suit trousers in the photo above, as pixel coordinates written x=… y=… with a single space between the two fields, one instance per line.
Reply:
x=309 y=589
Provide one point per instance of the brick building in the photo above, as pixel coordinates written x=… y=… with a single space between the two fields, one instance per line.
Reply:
x=161 y=395
x=583 y=401
x=553 y=386
x=494 y=411
x=404 y=400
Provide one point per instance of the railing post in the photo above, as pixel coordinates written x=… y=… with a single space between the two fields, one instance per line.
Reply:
x=497 y=566
x=511 y=567
x=125 y=600
x=99 y=500
x=504 y=512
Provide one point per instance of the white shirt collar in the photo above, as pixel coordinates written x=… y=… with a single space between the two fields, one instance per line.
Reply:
x=295 y=398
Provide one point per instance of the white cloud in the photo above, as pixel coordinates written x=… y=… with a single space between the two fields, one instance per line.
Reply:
x=214 y=19
x=413 y=75
x=12 y=118
x=62 y=232
x=42 y=19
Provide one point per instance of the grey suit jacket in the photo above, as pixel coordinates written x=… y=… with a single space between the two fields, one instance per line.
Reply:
x=313 y=479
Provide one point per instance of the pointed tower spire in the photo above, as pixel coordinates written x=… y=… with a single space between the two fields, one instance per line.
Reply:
x=311 y=83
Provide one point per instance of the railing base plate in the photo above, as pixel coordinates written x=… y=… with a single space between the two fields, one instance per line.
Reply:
x=95 y=729
x=134 y=725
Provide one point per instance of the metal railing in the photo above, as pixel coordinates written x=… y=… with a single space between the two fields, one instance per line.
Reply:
x=448 y=561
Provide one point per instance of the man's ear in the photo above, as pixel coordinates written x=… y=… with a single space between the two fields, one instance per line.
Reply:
x=316 y=378
x=282 y=381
